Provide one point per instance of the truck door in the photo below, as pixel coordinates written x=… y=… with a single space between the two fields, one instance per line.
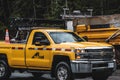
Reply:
x=37 y=56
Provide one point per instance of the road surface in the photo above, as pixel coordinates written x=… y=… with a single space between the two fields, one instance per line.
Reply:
x=29 y=76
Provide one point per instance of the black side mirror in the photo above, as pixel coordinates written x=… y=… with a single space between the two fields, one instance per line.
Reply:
x=85 y=38
x=37 y=43
x=42 y=42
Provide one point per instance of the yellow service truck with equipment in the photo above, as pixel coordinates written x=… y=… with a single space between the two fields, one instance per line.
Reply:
x=103 y=33
x=62 y=53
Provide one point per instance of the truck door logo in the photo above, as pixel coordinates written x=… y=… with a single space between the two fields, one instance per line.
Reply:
x=37 y=55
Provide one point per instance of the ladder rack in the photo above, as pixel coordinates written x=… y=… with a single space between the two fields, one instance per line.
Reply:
x=31 y=23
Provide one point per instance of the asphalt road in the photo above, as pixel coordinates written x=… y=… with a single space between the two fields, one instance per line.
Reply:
x=29 y=76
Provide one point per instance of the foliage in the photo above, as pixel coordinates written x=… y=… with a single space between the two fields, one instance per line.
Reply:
x=51 y=9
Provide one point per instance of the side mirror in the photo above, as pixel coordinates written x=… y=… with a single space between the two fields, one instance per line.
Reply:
x=37 y=43
x=42 y=42
x=85 y=38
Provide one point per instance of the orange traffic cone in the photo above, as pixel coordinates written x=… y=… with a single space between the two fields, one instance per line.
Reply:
x=7 y=39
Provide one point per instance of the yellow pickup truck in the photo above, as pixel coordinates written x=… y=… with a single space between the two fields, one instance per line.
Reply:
x=62 y=53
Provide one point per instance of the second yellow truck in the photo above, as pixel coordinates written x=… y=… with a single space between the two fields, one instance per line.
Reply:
x=102 y=33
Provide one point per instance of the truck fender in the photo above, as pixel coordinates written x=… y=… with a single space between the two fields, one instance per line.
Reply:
x=3 y=57
x=56 y=60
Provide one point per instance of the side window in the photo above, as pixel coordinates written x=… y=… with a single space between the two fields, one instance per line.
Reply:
x=21 y=37
x=38 y=36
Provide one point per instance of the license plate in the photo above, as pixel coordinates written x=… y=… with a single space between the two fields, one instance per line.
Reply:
x=110 y=65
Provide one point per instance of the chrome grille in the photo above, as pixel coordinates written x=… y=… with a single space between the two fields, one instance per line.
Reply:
x=99 y=53
x=99 y=50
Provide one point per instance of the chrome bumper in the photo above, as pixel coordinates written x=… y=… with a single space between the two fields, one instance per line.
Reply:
x=89 y=66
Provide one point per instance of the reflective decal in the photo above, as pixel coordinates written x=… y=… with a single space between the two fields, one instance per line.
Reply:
x=38 y=56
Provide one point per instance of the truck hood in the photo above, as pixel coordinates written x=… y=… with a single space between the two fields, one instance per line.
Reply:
x=84 y=45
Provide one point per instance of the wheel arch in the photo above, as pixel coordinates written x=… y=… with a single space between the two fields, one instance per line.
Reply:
x=5 y=66
x=56 y=60
x=3 y=57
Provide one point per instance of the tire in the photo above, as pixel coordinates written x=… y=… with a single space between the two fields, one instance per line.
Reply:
x=4 y=70
x=63 y=71
x=101 y=75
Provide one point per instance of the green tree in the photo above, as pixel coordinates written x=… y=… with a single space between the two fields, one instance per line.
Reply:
x=51 y=9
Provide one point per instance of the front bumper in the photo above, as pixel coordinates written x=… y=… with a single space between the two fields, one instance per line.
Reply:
x=87 y=66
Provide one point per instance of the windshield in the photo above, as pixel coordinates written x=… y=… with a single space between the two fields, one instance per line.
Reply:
x=62 y=37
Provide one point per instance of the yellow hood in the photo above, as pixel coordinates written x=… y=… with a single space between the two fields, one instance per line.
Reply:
x=82 y=45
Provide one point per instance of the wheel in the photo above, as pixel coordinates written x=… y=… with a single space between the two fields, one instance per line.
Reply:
x=63 y=71
x=4 y=70
x=101 y=75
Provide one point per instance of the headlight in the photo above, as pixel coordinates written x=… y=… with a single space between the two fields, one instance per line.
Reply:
x=79 y=53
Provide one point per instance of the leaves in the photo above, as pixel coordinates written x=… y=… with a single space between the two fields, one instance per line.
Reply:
x=51 y=9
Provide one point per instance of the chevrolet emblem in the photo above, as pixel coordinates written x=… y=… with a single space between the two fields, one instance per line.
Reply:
x=102 y=53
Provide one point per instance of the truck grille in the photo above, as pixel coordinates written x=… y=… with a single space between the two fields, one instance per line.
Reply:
x=100 y=53
x=99 y=50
